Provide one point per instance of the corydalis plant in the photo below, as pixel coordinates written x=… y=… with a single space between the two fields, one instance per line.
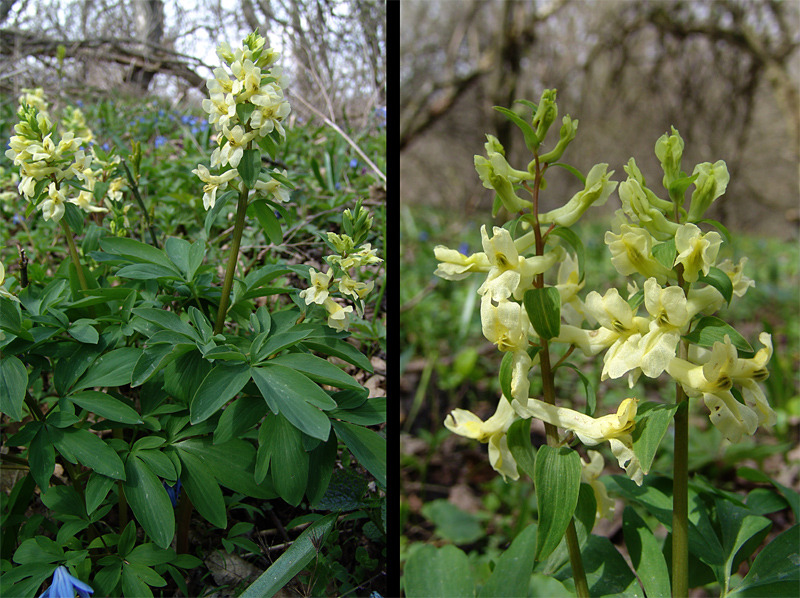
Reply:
x=676 y=276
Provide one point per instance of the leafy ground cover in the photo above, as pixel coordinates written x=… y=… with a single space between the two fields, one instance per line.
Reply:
x=328 y=176
x=450 y=494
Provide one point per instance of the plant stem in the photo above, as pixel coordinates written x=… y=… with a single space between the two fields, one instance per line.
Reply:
x=74 y=253
x=680 y=498
x=241 y=211
x=548 y=392
x=184 y=519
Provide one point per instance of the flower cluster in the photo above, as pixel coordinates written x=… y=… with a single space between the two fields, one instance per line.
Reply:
x=684 y=281
x=46 y=159
x=351 y=255
x=246 y=106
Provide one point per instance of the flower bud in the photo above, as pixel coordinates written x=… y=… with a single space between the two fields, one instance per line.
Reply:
x=711 y=183
x=567 y=133
x=598 y=188
x=546 y=114
x=669 y=151
x=495 y=174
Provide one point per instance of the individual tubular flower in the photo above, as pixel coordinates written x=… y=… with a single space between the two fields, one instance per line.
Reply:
x=642 y=206
x=572 y=308
x=729 y=416
x=221 y=109
x=510 y=272
x=506 y=325
x=454 y=265
x=711 y=182
x=356 y=290
x=569 y=129
x=696 y=251
x=739 y=281
x=338 y=316
x=631 y=250
x=273 y=186
x=233 y=150
x=53 y=207
x=590 y=474
x=318 y=291
x=492 y=431
x=495 y=173
x=614 y=428
x=271 y=110
x=596 y=191
x=670 y=315
x=212 y=183
x=669 y=150
x=65 y=585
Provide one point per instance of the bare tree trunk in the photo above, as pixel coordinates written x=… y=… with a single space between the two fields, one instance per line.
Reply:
x=149 y=20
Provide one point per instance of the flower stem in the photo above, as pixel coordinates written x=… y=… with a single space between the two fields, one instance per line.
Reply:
x=224 y=299
x=680 y=499
x=73 y=252
x=548 y=392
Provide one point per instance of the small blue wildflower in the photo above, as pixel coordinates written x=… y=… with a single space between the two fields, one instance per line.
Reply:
x=106 y=147
x=195 y=130
x=79 y=103
x=423 y=235
x=277 y=214
x=338 y=186
x=463 y=249
x=173 y=492
x=64 y=586
x=375 y=595
x=186 y=119
x=131 y=123
x=17 y=219
x=353 y=163
x=160 y=113
x=141 y=119
x=160 y=140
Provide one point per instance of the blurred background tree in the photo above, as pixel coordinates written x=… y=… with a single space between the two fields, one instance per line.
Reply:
x=725 y=73
x=333 y=50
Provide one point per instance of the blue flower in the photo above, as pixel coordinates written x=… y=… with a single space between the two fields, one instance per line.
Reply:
x=338 y=186
x=79 y=103
x=106 y=147
x=463 y=248
x=195 y=130
x=423 y=235
x=186 y=119
x=173 y=492
x=160 y=140
x=353 y=163
x=64 y=586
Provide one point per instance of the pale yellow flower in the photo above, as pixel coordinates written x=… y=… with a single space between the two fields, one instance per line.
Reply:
x=696 y=251
x=338 y=316
x=318 y=291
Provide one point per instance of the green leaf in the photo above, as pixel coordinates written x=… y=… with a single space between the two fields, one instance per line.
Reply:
x=64 y=499
x=84 y=332
x=106 y=406
x=289 y=460
x=154 y=358
x=41 y=456
x=279 y=342
x=575 y=241
x=646 y=556
x=544 y=311
x=88 y=449
x=512 y=572
x=212 y=214
x=149 y=554
x=37 y=550
x=292 y=394
x=132 y=585
x=336 y=347
x=147 y=272
x=97 y=488
x=112 y=369
x=652 y=421
x=775 y=571
x=444 y=572
x=244 y=111
x=557 y=477
x=266 y=218
x=679 y=186
x=367 y=446
x=591 y=396
x=607 y=573
x=167 y=320
x=203 y=490
x=531 y=140
x=291 y=562
x=665 y=253
x=453 y=523
x=241 y=415
x=219 y=386
x=138 y=252
x=318 y=369
x=250 y=167
x=506 y=373
x=519 y=443
x=710 y=330
x=149 y=502
x=578 y=174
x=231 y=463
x=183 y=376
x=320 y=468
x=742 y=533
x=13 y=385
x=791 y=496
x=127 y=539
x=720 y=281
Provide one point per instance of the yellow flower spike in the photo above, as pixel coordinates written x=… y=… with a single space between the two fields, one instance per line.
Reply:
x=615 y=428
x=492 y=431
